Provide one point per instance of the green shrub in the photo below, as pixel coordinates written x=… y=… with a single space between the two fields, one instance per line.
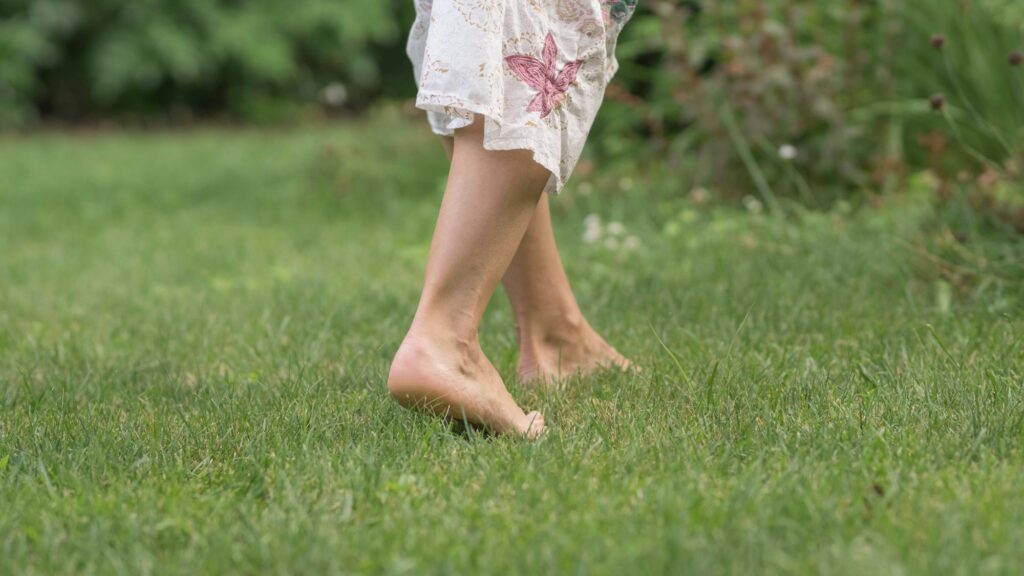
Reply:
x=27 y=44
x=83 y=58
x=967 y=64
x=755 y=95
x=967 y=56
x=818 y=100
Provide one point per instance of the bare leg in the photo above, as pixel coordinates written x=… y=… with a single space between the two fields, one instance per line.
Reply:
x=555 y=340
x=488 y=204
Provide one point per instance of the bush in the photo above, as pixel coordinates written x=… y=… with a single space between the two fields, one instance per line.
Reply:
x=74 y=59
x=819 y=100
x=751 y=92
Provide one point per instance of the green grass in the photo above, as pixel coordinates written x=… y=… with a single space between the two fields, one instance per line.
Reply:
x=195 y=330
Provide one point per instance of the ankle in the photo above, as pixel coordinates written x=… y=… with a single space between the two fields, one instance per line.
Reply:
x=438 y=342
x=552 y=331
x=453 y=331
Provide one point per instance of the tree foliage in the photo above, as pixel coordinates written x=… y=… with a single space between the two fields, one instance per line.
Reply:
x=84 y=58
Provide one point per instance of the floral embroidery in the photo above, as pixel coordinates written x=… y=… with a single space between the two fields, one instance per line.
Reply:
x=487 y=15
x=618 y=10
x=570 y=10
x=545 y=77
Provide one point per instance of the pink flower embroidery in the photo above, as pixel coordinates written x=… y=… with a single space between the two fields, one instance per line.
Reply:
x=545 y=77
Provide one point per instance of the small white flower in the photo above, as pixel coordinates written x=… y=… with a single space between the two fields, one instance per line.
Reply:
x=753 y=204
x=334 y=94
x=616 y=228
x=592 y=229
x=611 y=243
x=631 y=243
x=787 y=152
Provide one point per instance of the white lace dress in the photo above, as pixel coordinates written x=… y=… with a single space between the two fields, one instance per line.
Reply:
x=536 y=70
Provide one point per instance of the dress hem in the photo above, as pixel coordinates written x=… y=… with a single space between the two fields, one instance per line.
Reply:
x=458 y=113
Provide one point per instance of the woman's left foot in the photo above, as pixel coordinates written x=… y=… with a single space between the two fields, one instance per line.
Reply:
x=566 y=352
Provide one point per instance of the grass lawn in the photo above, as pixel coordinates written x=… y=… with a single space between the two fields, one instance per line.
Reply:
x=195 y=330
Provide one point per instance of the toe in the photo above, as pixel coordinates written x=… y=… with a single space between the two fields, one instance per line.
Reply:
x=534 y=425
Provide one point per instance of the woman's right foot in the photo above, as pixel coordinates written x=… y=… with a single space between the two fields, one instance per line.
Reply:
x=549 y=355
x=457 y=381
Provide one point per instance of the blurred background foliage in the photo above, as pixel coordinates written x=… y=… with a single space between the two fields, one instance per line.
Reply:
x=255 y=60
x=808 y=102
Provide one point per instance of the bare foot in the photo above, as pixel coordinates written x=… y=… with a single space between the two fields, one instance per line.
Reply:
x=567 y=351
x=457 y=382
